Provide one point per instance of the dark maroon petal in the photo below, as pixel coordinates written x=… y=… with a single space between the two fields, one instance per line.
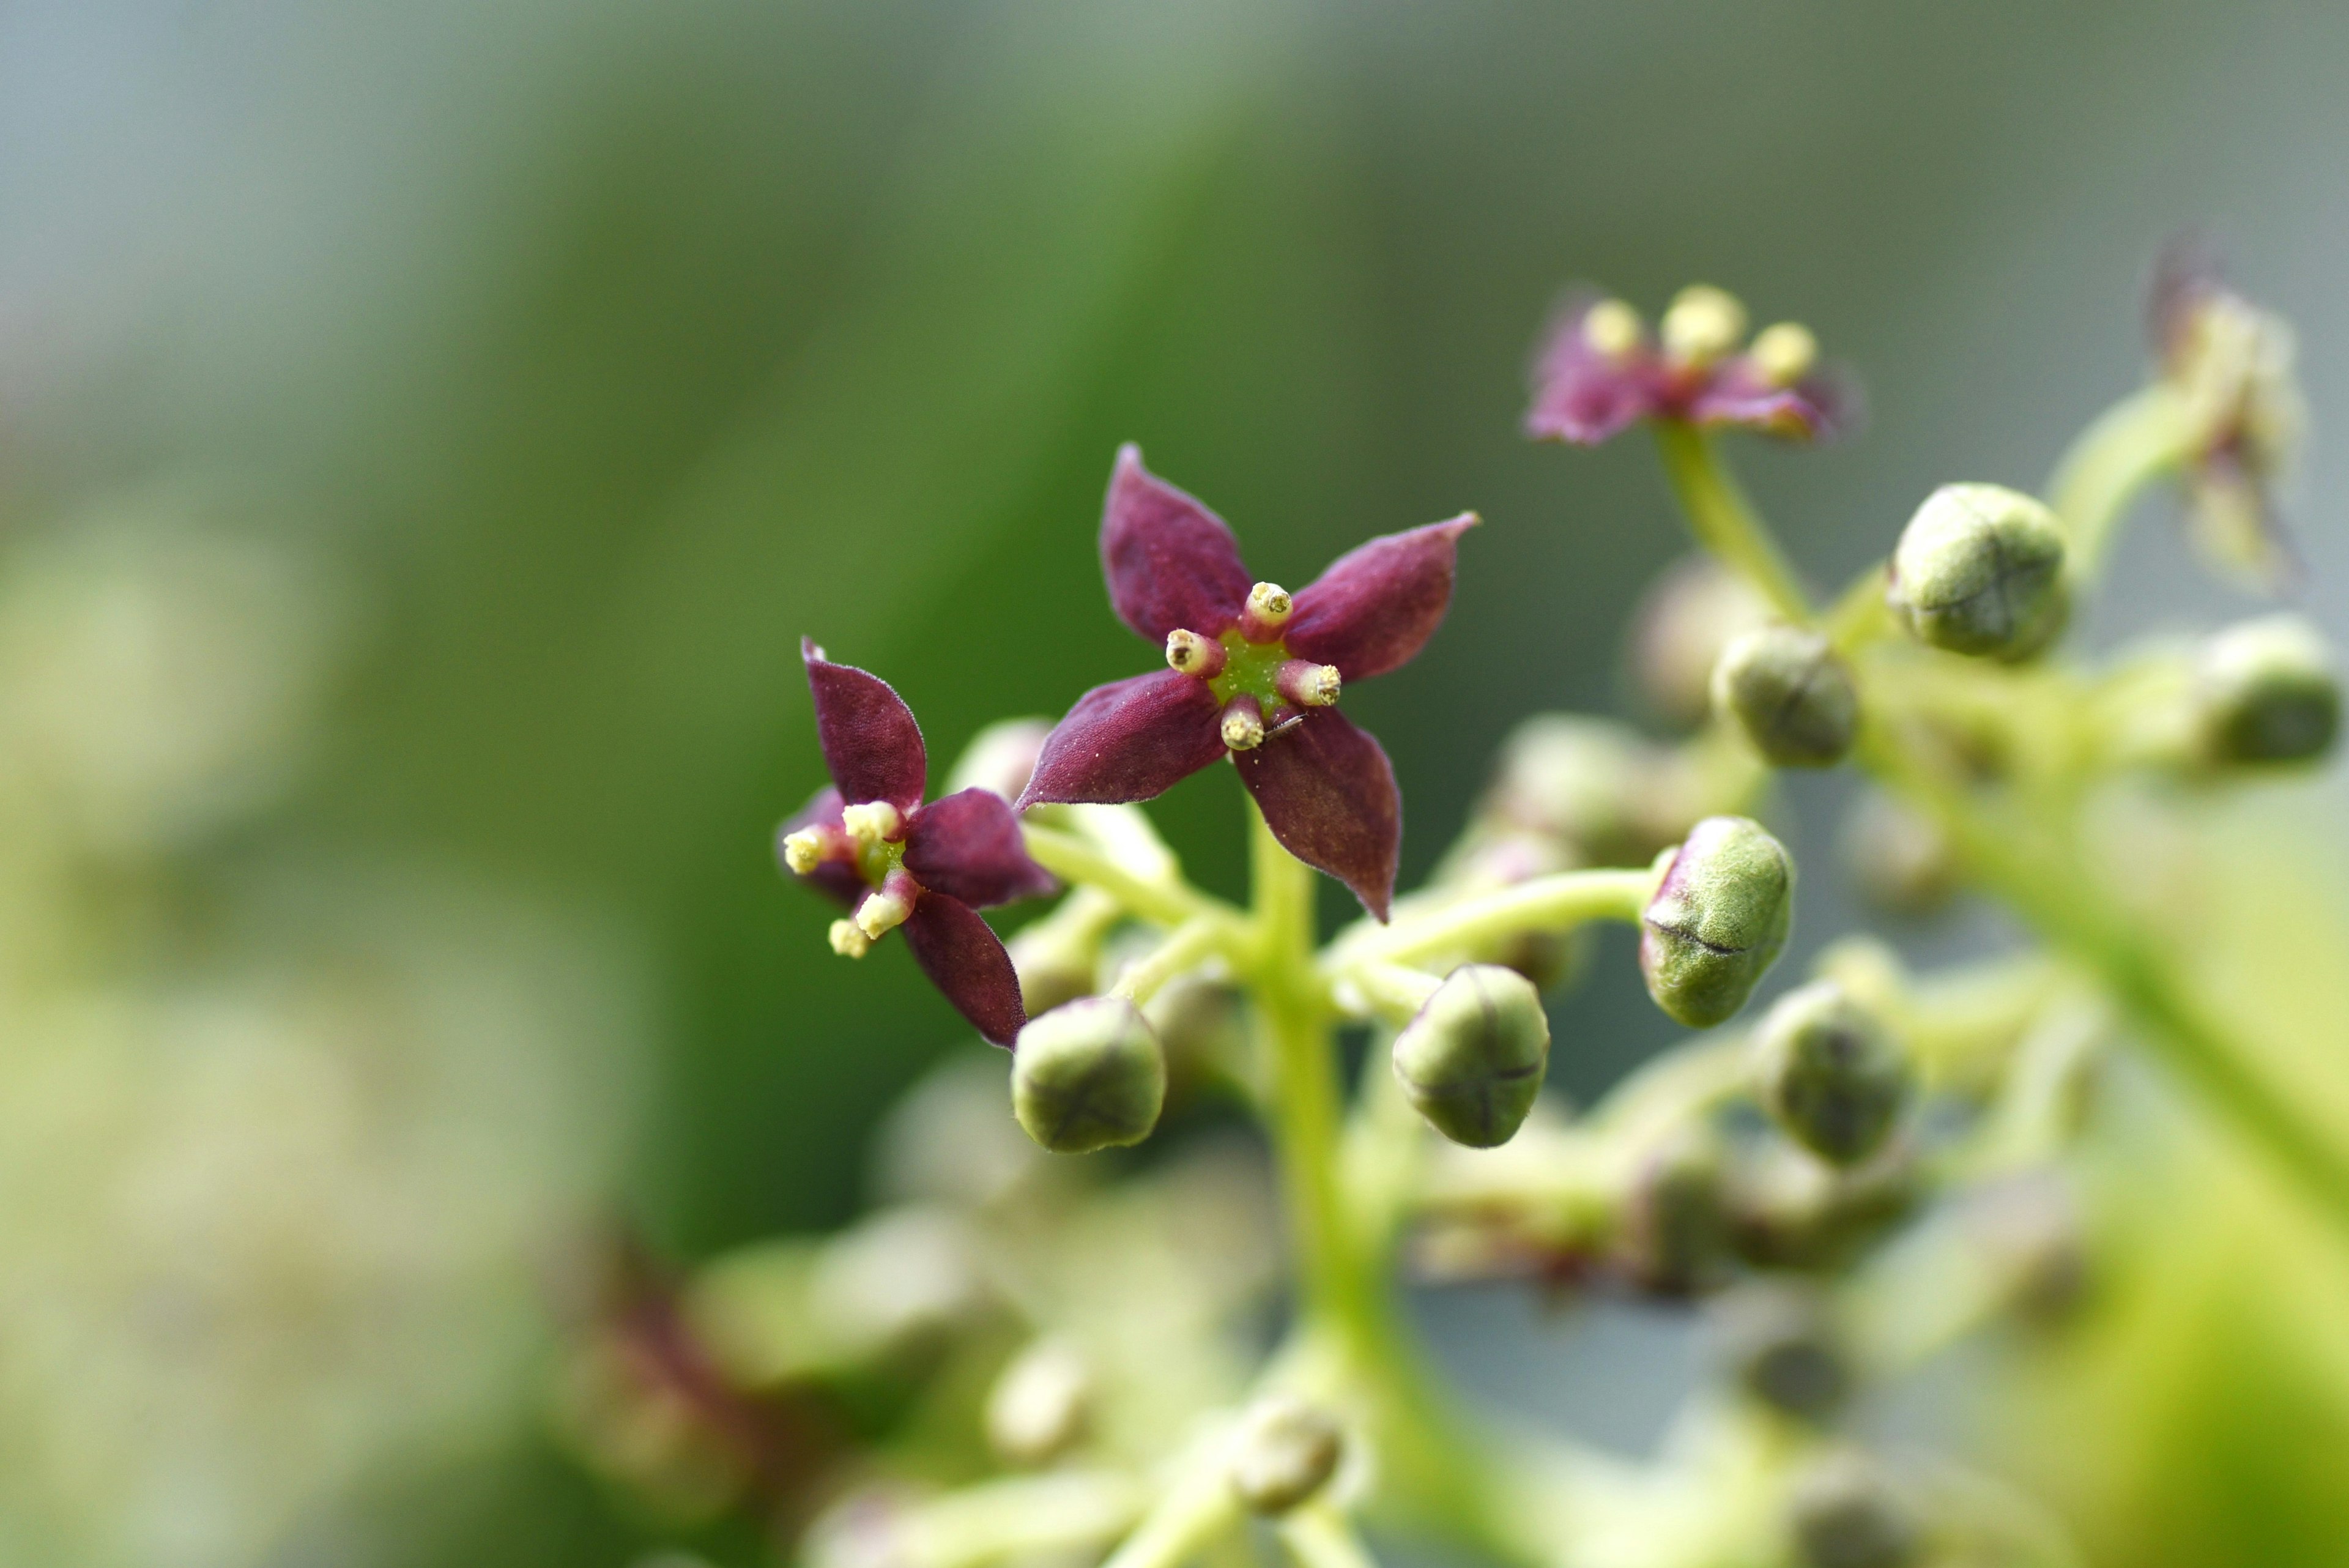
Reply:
x=1581 y=395
x=1171 y=563
x=871 y=742
x=1130 y=740
x=2186 y=275
x=1813 y=409
x=1378 y=604
x=836 y=879
x=1328 y=796
x=965 y=960
x=968 y=848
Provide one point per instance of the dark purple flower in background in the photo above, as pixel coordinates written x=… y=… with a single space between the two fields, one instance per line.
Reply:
x=869 y=842
x=1254 y=674
x=1601 y=372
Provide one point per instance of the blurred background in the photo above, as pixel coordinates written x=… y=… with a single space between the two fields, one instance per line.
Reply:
x=425 y=431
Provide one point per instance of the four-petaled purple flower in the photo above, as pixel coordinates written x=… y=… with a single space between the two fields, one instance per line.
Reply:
x=1254 y=674
x=1603 y=371
x=869 y=842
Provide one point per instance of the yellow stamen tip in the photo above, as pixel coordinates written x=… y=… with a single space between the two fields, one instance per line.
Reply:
x=848 y=941
x=1270 y=602
x=802 y=851
x=1243 y=727
x=871 y=821
x=1612 y=328
x=1704 y=324
x=1784 y=354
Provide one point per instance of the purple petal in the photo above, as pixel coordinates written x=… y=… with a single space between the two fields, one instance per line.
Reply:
x=1814 y=408
x=1171 y=563
x=1130 y=740
x=1378 y=604
x=835 y=879
x=1328 y=796
x=2186 y=275
x=871 y=742
x=968 y=848
x=1581 y=395
x=965 y=960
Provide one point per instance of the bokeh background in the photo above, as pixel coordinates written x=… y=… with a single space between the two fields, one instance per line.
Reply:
x=425 y=431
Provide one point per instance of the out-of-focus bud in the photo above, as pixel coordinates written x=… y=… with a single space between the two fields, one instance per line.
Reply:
x=901 y=1275
x=1686 y=619
x=1790 y=693
x=1284 y=1452
x=1675 y=1233
x=1844 y=1512
x=1979 y=570
x=2267 y=692
x=1780 y=1342
x=1200 y=1026
x=1088 y=1075
x=1717 y=920
x=946 y=1142
x=1585 y=781
x=1790 y=1210
x=1831 y=1073
x=1471 y=1062
x=1037 y=1408
x=864 y=1529
x=1057 y=960
x=1000 y=757
x=1899 y=861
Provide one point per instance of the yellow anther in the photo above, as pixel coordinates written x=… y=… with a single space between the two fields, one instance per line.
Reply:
x=1783 y=354
x=1193 y=655
x=804 y=851
x=1270 y=603
x=1308 y=685
x=847 y=940
x=1611 y=329
x=1704 y=324
x=871 y=821
x=1243 y=725
x=883 y=912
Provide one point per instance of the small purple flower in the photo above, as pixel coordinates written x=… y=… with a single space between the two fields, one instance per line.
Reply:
x=869 y=842
x=1254 y=674
x=1603 y=371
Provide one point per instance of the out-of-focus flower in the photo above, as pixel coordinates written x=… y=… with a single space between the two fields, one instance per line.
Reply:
x=1254 y=674
x=1603 y=371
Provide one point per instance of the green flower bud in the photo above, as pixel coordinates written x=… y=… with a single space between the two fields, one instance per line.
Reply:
x=1900 y=862
x=1037 y=1407
x=1717 y=920
x=1791 y=694
x=1088 y=1075
x=1831 y=1073
x=1979 y=570
x=1780 y=1344
x=1844 y=1513
x=1676 y=1225
x=1284 y=1452
x=1472 y=1060
x=2267 y=691
x=1686 y=619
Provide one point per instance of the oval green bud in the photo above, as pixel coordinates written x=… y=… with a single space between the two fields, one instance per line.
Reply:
x=2267 y=692
x=1843 y=1513
x=1717 y=920
x=1675 y=1234
x=1284 y=1452
x=1979 y=570
x=1779 y=1341
x=1472 y=1060
x=1791 y=694
x=1831 y=1073
x=1088 y=1075
x=1684 y=620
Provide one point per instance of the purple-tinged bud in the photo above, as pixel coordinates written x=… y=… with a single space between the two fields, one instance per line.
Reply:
x=847 y=940
x=1308 y=684
x=1037 y=1408
x=1471 y=1061
x=1791 y=695
x=873 y=821
x=1781 y=1344
x=1703 y=324
x=1192 y=654
x=1284 y=1452
x=1088 y=1075
x=889 y=906
x=1844 y=1512
x=1267 y=610
x=1831 y=1073
x=1718 y=918
x=1979 y=570
x=1000 y=758
x=1783 y=354
x=2266 y=692
x=1243 y=724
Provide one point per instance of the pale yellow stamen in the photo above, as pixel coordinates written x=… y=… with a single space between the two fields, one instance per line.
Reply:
x=1243 y=726
x=1612 y=328
x=1193 y=654
x=1270 y=603
x=848 y=941
x=1704 y=324
x=883 y=912
x=869 y=821
x=1310 y=685
x=1784 y=354
x=804 y=851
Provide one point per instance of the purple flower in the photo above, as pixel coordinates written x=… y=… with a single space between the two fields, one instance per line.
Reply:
x=1254 y=673
x=1601 y=372
x=869 y=842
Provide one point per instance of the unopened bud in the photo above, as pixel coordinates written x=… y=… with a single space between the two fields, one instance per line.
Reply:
x=1472 y=1060
x=1284 y=1452
x=872 y=821
x=1088 y=1075
x=1783 y=354
x=889 y=906
x=1899 y=861
x=1979 y=570
x=1704 y=324
x=1831 y=1072
x=1686 y=617
x=1843 y=1513
x=1676 y=1225
x=1308 y=684
x=2268 y=693
x=1790 y=693
x=1611 y=329
x=1037 y=1407
x=1195 y=655
x=804 y=851
x=1000 y=758
x=1779 y=1341
x=1267 y=610
x=1052 y=966
x=1243 y=724
x=1717 y=920
x=847 y=940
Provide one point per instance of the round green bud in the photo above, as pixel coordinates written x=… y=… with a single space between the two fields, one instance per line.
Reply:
x=2266 y=692
x=1779 y=1341
x=1684 y=620
x=1843 y=1513
x=1717 y=920
x=1472 y=1060
x=1087 y=1075
x=1979 y=570
x=1675 y=1234
x=1831 y=1073
x=1791 y=694
x=1284 y=1452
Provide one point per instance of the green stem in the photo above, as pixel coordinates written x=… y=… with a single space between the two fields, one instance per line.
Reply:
x=1184 y=950
x=1726 y=523
x=1197 y=1508
x=1551 y=903
x=2131 y=444
x=1161 y=903
x=1318 y=1536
